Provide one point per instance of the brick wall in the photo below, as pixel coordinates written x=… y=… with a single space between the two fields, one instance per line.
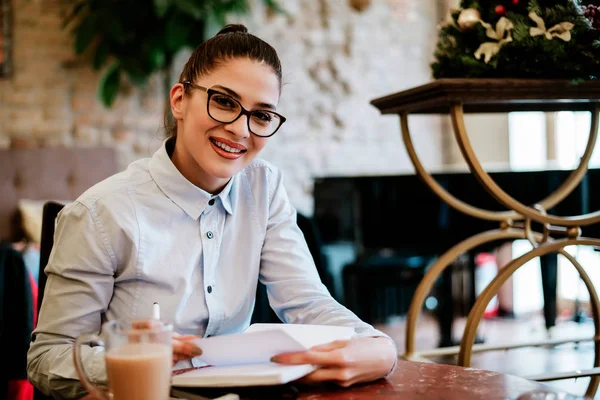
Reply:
x=335 y=60
x=50 y=100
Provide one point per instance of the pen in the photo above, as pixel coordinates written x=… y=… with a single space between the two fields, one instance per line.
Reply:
x=156 y=311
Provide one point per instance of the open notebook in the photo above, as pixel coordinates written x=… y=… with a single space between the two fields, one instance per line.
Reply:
x=244 y=359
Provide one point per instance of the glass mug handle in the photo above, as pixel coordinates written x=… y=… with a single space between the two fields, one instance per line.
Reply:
x=87 y=338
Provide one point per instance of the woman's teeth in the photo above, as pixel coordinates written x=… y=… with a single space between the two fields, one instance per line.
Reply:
x=225 y=147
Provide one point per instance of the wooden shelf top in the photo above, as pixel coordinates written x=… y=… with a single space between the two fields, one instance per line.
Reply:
x=492 y=95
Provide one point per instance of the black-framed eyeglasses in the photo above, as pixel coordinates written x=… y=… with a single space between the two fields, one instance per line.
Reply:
x=225 y=109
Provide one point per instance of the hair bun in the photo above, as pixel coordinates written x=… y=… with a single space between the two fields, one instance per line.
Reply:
x=232 y=28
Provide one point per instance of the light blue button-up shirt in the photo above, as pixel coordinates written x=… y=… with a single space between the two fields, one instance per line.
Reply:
x=148 y=235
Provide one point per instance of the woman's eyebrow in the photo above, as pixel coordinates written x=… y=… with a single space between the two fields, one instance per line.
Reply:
x=236 y=96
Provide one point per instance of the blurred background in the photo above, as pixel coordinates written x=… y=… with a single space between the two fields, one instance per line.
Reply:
x=71 y=78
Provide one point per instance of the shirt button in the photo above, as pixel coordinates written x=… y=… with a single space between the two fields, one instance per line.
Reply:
x=211 y=202
x=209 y=234
x=209 y=289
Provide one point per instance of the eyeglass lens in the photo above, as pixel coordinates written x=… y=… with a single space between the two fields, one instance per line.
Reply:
x=225 y=109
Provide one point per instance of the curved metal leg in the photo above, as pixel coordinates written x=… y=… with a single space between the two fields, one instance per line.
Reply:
x=476 y=314
x=443 y=193
x=595 y=304
x=436 y=269
x=511 y=203
x=542 y=242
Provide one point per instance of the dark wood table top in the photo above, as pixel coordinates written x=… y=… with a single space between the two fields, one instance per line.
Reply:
x=492 y=95
x=412 y=380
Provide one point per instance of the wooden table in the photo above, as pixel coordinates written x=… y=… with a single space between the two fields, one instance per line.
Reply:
x=411 y=380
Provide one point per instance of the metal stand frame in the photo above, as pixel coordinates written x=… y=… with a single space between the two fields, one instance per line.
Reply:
x=514 y=224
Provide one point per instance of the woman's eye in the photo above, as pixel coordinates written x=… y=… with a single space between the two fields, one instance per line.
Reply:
x=224 y=101
x=262 y=116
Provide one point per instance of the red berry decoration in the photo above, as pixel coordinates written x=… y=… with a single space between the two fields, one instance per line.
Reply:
x=592 y=13
x=500 y=10
x=515 y=2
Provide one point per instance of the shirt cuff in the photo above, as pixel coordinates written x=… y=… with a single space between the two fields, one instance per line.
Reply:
x=376 y=334
x=395 y=358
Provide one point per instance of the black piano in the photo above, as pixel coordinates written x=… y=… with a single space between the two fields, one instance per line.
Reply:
x=400 y=213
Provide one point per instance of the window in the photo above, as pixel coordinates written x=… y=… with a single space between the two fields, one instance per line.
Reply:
x=527 y=140
x=572 y=130
x=539 y=141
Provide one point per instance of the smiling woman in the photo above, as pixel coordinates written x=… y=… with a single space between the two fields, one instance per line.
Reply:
x=194 y=228
x=5 y=37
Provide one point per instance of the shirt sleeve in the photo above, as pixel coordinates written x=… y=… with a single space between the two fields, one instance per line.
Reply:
x=294 y=287
x=80 y=283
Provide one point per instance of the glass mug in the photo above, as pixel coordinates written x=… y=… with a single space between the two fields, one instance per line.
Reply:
x=138 y=361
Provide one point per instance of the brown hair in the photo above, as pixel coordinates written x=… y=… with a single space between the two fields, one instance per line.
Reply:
x=233 y=41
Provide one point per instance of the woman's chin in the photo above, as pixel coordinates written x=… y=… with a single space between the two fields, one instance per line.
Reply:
x=223 y=169
x=224 y=173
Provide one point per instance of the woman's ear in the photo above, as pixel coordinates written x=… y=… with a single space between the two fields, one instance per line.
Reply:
x=176 y=100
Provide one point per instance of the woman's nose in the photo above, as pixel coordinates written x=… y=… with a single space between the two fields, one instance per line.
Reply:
x=239 y=127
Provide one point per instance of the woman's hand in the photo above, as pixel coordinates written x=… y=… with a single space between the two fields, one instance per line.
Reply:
x=183 y=348
x=346 y=362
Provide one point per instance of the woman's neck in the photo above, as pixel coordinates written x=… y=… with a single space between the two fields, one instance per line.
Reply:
x=189 y=168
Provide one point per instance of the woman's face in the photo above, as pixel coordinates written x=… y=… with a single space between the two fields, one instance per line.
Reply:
x=208 y=153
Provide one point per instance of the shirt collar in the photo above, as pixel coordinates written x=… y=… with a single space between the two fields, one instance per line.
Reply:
x=225 y=196
x=189 y=197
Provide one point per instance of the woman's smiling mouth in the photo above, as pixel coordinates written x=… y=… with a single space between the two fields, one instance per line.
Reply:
x=227 y=149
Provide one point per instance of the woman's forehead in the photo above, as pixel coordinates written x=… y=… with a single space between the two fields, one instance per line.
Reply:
x=252 y=81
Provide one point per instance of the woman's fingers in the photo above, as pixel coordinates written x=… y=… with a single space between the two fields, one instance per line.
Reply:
x=325 y=355
x=140 y=328
x=346 y=362
x=336 y=344
x=184 y=338
x=146 y=324
x=183 y=347
x=341 y=376
x=333 y=358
